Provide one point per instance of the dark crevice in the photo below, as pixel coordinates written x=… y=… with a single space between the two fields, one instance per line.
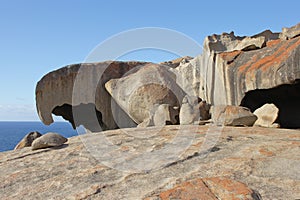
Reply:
x=286 y=97
x=83 y=114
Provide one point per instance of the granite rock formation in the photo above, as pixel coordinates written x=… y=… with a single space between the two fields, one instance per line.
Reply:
x=232 y=70
x=252 y=162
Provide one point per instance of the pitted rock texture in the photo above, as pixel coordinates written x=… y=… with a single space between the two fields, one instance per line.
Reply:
x=244 y=160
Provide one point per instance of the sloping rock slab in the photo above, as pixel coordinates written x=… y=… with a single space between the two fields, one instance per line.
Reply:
x=264 y=160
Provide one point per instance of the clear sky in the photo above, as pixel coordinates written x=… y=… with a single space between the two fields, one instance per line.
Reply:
x=40 y=36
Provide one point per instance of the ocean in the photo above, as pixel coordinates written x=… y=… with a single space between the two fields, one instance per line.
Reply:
x=12 y=132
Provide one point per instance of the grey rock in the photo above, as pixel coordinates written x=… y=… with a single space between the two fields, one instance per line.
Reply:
x=28 y=139
x=232 y=116
x=48 y=140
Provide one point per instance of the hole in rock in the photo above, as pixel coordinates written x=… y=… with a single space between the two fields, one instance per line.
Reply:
x=286 y=97
x=84 y=114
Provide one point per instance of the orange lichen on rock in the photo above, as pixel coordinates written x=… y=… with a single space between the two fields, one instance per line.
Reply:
x=225 y=188
x=195 y=189
x=272 y=43
x=208 y=188
x=230 y=56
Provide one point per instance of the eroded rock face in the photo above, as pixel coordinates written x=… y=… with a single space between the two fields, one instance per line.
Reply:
x=81 y=87
x=242 y=161
x=138 y=93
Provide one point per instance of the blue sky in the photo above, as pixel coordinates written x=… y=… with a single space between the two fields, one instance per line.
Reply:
x=40 y=36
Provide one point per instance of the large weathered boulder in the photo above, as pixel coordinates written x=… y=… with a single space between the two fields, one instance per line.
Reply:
x=243 y=161
x=28 y=139
x=139 y=92
x=79 y=90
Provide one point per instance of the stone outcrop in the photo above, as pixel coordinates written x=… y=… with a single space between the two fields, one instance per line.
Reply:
x=247 y=162
x=139 y=92
x=232 y=116
x=28 y=139
x=266 y=115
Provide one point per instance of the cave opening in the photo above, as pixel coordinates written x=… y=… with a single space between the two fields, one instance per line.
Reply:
x=286 y=97
x=81 y=115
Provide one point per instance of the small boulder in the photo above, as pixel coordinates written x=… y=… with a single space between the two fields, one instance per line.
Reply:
x=193 y=109
x=266 y=115
x=28 y=139
x=232 y=116
x=189 y=111
x=48 y=140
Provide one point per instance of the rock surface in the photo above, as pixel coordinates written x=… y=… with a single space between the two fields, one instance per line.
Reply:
x=48 y=140
x=28 y=139
x=232 y=116
x=266 y=115
x=243 y=160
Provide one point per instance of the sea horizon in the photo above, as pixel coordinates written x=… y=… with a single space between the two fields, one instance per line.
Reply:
x=12 y=132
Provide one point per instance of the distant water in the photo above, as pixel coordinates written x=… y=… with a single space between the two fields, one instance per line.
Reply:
x=12 y=132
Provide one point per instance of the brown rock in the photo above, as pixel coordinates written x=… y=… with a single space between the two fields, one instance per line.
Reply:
x=232 y=116
x=28 y=139
x=48 y=140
